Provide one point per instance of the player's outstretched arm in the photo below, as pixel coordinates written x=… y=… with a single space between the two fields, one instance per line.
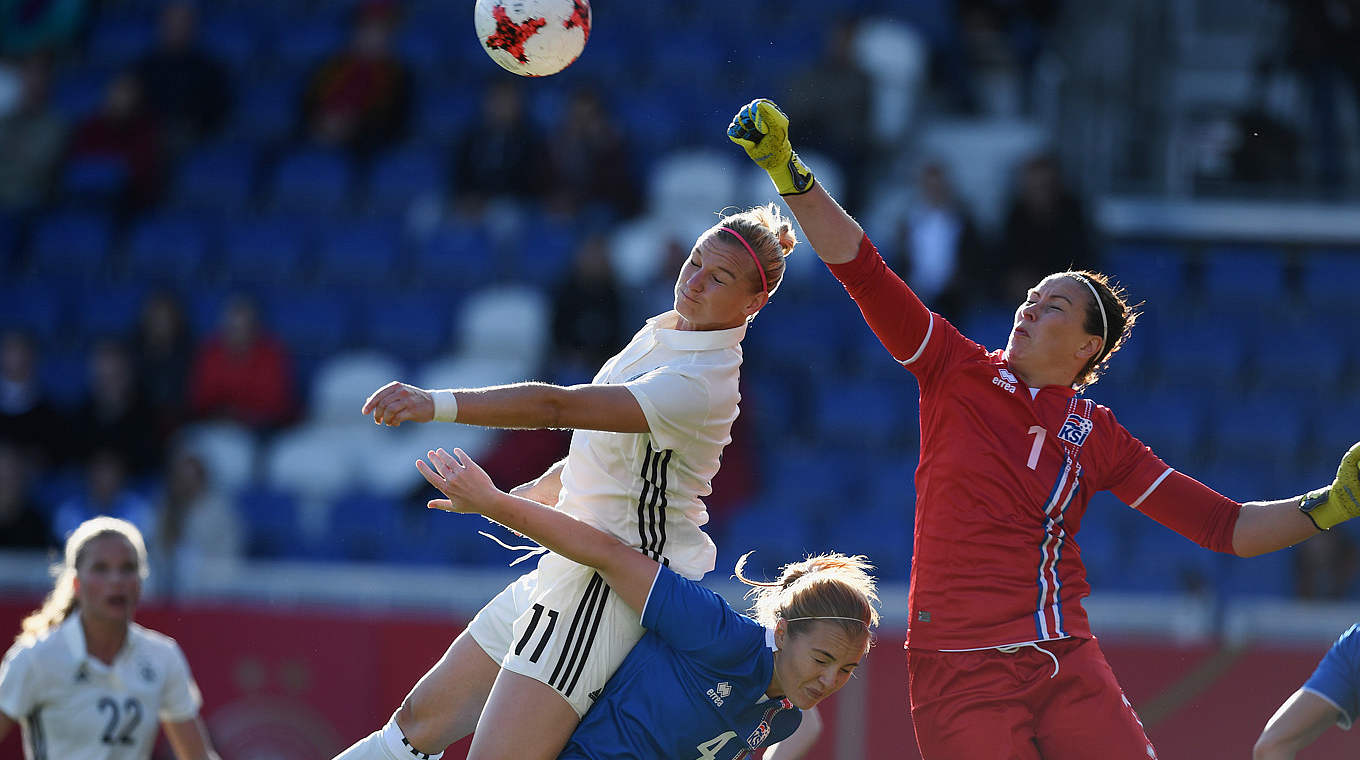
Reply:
x=1299 y=722
x=763 y=131
x=1267 y=526
x=189 y=740
x=469 y=489
x=522 y=405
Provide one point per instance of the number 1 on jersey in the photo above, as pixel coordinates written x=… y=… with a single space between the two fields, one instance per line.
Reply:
x=1039 y=434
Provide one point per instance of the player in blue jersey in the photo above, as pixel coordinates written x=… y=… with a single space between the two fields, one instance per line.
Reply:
x=1331 y=695
x=704 y=682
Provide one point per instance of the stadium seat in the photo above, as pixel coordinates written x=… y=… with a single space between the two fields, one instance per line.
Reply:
x=65 y=373
x=312 y=181
x=1265 y=431
x=412 y=326
x=1301 y=358
x=1201 y=353
x=233 y=39
x=865 y=414
x=442 y=115
x=456 y=255
x=686 y=185
x=1266 y=575
x=312 y=323
x=545 y=254
x=360 y=526
x=93 y=180
x=119 y=41
x=167 y=248
x=310 y=461
x=263 y=251
x=108 y=309
x=1153 y=273
x=227 y=450
x=272 y=524
x=403 y=178
x=510 y=322
x=1237 y=277
x=219 y=178
x=71 y=244
x=343 y=381
x=267 y=111
x=1326 y=279
x=37 y=306
x=366 y=253
x=1172 y=425
x=304 y=44
x=78 y=93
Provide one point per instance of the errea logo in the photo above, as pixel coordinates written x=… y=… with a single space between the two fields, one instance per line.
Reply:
x=1005 y=380
x=720 y=692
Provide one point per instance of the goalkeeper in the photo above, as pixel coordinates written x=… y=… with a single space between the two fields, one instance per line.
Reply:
x=1001 y=658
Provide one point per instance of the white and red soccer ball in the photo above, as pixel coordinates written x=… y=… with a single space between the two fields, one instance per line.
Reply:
x=533 y=38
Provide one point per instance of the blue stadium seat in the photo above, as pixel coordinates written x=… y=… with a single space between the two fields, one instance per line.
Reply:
x=218 y=178
x=1268 y=575
x=1150 y=272
x=36 y=306
x=263 y=251
x=93 y=180
x=1160 y=560
x=882 y=537
x=232 y=39
x=305 y=43
x=312 y=323
x=366 y=252
x=413 y=326
x=1265 y=431
x=268 y=110
x=865 y=413
x=443 y=113
x=401 y=178
x=545 y=254
x=65 y=375
x=1327 y=278
x=108 y=309
x=1172 y=425
x=1309 y=358
x=1333 y=430
x=360 y=527
x=272 y=525
x=77 y=94
x=71 y=244
x=1244 y=276
x=991 y=327
x=167 y=248
x=120 y=41
x=770 y=528
x=1202 y=353
x=312 y=182
x=458 y=255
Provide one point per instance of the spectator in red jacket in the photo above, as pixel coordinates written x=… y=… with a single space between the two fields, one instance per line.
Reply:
x=242 y=373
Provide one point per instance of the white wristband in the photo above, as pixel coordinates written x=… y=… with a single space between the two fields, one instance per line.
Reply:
x=445 y=406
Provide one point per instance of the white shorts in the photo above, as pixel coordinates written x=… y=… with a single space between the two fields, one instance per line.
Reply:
x=561 y=625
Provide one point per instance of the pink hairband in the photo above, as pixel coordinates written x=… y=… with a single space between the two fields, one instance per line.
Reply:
x=764 y=283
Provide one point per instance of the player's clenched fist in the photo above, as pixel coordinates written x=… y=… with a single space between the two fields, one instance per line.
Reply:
x=763 y=131
x=398 y=402
x=1341 y=500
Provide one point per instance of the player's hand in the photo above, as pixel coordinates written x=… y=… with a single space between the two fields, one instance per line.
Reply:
x=763 y=131
x=398 y=402
x=1340 y=501
x=466 y=484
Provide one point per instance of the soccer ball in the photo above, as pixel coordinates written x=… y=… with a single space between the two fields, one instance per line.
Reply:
x=533 y=38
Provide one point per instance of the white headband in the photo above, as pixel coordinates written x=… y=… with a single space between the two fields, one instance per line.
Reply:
x=1104 y=323
x=827 y=617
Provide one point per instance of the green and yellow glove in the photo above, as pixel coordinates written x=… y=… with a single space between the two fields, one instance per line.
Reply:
x=1340 y=501
x=763 y=130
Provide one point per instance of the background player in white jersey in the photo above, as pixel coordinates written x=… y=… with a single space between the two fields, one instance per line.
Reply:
x=82 y=679
x=649 y=434
x=703 y=675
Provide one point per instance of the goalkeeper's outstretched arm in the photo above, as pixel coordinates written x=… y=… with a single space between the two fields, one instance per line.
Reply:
x=1299 y=722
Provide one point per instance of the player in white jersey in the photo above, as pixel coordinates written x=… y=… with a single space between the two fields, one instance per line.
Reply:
x=83 y=680
x=649 y=434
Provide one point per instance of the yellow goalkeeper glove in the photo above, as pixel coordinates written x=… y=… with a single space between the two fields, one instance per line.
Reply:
x=1340 y=501
x=763 y=130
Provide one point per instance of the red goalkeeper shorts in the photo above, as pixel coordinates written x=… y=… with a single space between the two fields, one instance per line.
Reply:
x=1023 y=705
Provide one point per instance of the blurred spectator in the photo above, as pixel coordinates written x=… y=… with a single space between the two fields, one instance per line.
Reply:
x=1046 y=228
x=22 y=524
x=243 y=373
x=28 y=420
x=819 y=100
x=114 y=415
x=1003 y=41
x=587 y=314
x=940 y=252
x=32 y=139
x=164 y=351
x=124 y=131
x=198 y=528
x=501 y=156
x=186 y=88
x=106 y=493
x=34 y=25
x=1325 y=566
x=1321 y=39
x=590 y=159
x=359 y=98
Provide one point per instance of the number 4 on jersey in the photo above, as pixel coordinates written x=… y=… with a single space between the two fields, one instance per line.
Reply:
x=709 y=749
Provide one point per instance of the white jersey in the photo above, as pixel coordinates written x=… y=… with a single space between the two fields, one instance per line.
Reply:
x=73 y=707
x=647 y=488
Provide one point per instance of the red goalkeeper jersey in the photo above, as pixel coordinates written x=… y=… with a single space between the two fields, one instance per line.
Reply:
x=1004 y=477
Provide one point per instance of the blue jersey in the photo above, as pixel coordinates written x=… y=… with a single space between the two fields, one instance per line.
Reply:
x=1337 y=678
x=692 y=689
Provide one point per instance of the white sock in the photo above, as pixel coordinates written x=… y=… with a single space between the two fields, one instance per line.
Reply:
x=386 y=744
